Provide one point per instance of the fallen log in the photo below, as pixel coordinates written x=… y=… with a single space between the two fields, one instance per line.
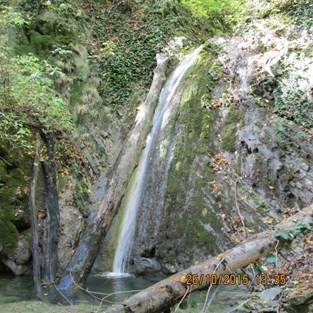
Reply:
x=161 y=296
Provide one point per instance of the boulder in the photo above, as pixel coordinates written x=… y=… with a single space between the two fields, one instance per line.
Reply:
x=18 y=260
x=143 y=266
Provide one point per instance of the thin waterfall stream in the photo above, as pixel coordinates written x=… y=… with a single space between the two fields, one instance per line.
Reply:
x=135 y=191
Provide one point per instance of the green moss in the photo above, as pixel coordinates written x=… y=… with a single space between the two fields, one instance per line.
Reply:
x=200 y=212
x=197 y=121
x=233 y=120
x=13 y=192
x=246 y=192
x=300 y=11
x=127 y=49
x=8 y=235
x=81 y=196
x=294 y=104
x=190 y=228
x=197 y=234
x=288 y=136
x=82 y=190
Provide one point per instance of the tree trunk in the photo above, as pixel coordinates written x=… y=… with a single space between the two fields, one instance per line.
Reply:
x=161 y=296
x=36 y=253
x=53 y=211
x=101 y=218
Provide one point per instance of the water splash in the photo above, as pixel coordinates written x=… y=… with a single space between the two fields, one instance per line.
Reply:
x=135 y=192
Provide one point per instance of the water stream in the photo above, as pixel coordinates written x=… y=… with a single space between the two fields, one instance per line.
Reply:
x=135 y=192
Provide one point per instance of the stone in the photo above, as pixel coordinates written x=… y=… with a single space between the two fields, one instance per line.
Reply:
x=146 y=266
x=18 y=260
x=22 y=253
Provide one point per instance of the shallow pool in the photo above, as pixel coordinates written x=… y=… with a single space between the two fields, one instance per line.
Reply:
x=17 y=295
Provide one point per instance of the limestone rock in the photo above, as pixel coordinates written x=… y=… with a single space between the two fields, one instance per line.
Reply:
x=18 y=260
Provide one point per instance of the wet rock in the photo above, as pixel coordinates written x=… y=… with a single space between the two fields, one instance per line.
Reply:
x=22 y=253
x=15 y=268
x=300 y=302
x=271 y=294
x=191 y=194
x=143 y=266
x=18 y=260
x=71 y=225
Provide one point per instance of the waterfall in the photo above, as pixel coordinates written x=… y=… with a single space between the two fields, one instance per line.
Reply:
x=134 y=194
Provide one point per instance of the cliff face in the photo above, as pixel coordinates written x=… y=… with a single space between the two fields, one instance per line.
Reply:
x=242 y=156
x=47 y=56
x=236 y=152
x=80 y=69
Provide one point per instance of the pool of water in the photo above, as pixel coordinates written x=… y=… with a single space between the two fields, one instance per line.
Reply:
x=13 y=289
x=104 y=289
x=111 y=288
x=116 y=288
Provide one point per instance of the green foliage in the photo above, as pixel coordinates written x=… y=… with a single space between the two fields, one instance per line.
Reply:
x=283 y=235
x=130 y=35
x=271 y=259
x=28 y=103
x=10 y=17
x=81 y=196
x=82 y=191
x=127 y=55
x=301 y=227
x=219 y=11
x=28 y=100
x=294 y=104
x=27 y=96
x=287 y=92
x=8 y=235
x=301 y=11
x=260 y=268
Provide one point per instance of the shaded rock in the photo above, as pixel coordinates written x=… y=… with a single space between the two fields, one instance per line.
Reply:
x=271 y=294
x=18 y=260
x=145 y=266
x=22 y=253
x=303 y=302
x=15 y=268
x=71 y=225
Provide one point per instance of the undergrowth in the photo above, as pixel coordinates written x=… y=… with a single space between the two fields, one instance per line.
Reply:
x=300 y=11
x=129 y=35
x=39 y=69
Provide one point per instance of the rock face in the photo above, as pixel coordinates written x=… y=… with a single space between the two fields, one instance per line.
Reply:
x=18 y=259
x=71 y=225
x=236 y=153
x=145 y=266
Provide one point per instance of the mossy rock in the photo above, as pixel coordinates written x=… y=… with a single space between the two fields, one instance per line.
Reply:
x=8 y=235
x=13 y=192
x=194 y=141
x=233 y=121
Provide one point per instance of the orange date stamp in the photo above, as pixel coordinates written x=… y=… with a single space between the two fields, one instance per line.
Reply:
x=235 y=279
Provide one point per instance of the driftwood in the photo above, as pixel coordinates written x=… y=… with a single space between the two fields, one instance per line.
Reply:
x=161 y=296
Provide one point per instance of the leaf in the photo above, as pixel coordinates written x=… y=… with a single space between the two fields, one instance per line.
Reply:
x=271 y=259
x=283 y=235
x=260 y=268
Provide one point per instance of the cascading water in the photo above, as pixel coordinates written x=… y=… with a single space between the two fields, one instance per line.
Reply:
x=134 y=195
